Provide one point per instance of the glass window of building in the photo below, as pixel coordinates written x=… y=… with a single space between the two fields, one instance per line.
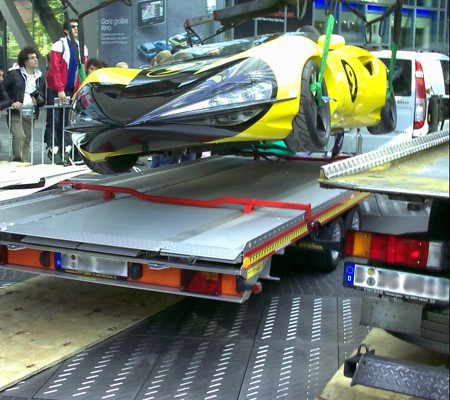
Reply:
x=379 y=31
x=320 y=17
x=351 y=26
x=406 y=40
x=426 y=29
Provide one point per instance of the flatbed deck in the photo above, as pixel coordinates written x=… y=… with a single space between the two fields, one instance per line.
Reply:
x=416 y=169
x=229 y=238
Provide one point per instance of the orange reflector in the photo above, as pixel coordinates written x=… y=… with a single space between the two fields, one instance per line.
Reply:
x=358 y=244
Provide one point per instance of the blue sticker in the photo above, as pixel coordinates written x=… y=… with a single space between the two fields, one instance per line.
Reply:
x=349 y=274
x=58 y=260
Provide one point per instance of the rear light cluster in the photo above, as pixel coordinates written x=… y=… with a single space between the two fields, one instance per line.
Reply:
x=201 y=282
x=420 y=110
x=396 y=250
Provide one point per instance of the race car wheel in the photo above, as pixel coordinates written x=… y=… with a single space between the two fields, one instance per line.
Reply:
x=311 y=126
x=112 y=165
x=388 y=118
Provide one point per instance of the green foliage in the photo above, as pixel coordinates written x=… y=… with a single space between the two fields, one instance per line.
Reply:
x=35 y=27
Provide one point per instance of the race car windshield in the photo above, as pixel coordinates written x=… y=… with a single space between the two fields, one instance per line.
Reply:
x=223 y=49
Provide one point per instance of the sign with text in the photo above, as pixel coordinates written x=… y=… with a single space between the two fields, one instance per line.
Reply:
x=115 y=33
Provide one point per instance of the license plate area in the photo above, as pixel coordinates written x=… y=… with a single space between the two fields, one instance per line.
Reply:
x=91 y=266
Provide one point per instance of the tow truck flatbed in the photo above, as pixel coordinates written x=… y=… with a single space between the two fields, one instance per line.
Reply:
x=416 y=169
x=388 y=270
x=160 y=245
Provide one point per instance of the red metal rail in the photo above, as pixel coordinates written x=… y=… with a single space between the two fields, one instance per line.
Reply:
x=249 y=204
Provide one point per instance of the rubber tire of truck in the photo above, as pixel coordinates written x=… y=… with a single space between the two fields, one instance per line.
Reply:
x=388 y=116
x=328 y=260
x=311 y=126
x=112 y=165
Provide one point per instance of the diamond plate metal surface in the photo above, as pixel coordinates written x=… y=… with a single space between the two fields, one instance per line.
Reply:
x=411 y=379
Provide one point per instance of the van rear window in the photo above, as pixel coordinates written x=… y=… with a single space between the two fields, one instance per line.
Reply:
x=402 y=76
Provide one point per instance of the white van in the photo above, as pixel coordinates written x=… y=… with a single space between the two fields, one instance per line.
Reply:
x=419 y=77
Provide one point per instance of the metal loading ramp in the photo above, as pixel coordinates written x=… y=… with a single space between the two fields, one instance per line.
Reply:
x=274 y=344
x=289 y=340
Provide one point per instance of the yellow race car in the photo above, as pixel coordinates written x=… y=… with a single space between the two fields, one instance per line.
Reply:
x=227 y=95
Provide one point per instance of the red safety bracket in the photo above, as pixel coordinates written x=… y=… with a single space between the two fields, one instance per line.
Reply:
x=249 y=204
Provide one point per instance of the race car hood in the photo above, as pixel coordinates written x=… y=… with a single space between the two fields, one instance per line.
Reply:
x=114 y=96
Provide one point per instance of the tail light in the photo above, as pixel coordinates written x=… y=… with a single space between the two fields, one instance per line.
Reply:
x=396 y=250
x=201 y=282
x=420 y=111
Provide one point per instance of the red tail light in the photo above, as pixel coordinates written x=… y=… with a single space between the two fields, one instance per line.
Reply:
x=201 y=282
x=420 y=111
x=394 y=249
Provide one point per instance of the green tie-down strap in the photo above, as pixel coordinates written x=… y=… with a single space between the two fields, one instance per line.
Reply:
x=277 y=148
x=317 y=86
x=82 y=73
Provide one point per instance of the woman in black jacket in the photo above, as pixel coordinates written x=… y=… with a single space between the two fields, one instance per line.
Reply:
x=25 y=87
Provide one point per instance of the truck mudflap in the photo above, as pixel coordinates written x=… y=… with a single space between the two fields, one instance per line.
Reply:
x=406 y=377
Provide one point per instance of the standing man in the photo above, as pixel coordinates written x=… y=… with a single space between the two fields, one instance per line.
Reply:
x=25 y=87
x=62 y=82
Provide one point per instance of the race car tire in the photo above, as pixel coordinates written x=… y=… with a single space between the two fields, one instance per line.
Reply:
x=311 y=126
x=112 y=165
x=388 y=118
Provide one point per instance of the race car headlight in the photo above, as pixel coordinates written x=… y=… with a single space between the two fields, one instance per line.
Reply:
x=230 y=97
x=252 y=92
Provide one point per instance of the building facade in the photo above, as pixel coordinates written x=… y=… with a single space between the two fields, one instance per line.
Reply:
x=119 y=32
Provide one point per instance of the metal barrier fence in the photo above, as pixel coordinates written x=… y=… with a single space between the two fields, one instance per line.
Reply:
x=38 y=147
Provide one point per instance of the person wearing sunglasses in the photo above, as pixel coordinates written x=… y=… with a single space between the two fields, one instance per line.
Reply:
x=62 y=82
